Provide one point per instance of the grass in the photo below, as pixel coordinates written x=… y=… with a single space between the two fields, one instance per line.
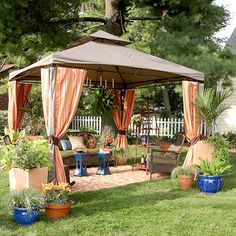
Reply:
x=151 y=208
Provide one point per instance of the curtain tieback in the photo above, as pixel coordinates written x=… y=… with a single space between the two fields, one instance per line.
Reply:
x=121 y=132
x=194 y=140
x=54 y=140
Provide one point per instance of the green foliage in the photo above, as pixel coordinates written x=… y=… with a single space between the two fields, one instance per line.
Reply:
x=182 y=171
x=211 y=104
x=33 y=113
x=15 y=136
x=220 y=163
x=186 y=35
x=85 y=129
x=119 y=153
x=214 y=167
x=165 y=113
x=231 y=137
x=27 y=198
x=25 y=155
x=221 y=147
x=102 y=102
x=3 y=121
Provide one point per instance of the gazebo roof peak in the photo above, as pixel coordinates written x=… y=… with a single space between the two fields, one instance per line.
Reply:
x=102 y=36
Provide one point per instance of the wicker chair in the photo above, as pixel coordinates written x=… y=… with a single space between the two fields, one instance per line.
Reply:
x=164 y=161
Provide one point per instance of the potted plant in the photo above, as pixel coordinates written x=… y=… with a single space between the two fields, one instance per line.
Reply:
x=57 y=198
x=119 y=155
x=26 y=205
x=210 y=175
x=185 y=176
x=211 y=104
x=27 y=163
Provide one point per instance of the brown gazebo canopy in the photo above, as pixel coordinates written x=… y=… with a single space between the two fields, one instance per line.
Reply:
x=99 y=58
x=102 y=54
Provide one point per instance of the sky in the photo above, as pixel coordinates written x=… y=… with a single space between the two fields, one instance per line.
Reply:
x=231 y=6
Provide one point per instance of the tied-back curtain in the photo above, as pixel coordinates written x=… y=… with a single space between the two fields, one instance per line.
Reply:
x=191 y=119
x=18 y=94
x=61 y=91
x=122 y=115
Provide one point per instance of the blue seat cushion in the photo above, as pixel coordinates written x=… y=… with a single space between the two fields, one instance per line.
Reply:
x=66 y=145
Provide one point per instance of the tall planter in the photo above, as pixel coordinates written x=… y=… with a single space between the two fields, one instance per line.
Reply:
x=210 y=184
x=33 y=178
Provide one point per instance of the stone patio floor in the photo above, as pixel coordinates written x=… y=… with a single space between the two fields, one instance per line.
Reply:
x=120 y=176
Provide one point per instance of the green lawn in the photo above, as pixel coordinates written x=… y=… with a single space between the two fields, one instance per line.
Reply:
x=151 y=208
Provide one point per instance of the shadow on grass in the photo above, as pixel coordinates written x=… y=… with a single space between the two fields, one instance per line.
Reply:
x=118 y=199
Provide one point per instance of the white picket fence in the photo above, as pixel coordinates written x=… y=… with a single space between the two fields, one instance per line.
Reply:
x=93 y=122
x=156 y=127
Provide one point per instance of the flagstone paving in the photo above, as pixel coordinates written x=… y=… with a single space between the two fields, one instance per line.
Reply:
x=121 y=175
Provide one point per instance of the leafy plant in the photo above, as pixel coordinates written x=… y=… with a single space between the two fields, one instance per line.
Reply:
x=57 y=194
x=3 y=121
x=221 y=148
x=231 y=137
x=182 y=171
x=103 y=102
x=214 y=167
x=210 y=104
x=25 y=155
x=27 y=198
x=15 y=136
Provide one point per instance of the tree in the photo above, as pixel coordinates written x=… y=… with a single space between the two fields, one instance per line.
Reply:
x=177 y=30
x=100 y=102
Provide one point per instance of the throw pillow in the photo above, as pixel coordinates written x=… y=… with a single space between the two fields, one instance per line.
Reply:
x=66 y=145
x=77 y=142
x=171 y=148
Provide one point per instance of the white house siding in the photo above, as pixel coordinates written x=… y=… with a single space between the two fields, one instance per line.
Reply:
x=227 y=121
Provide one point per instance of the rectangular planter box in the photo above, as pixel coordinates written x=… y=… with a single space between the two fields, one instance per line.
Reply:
x=20 y=179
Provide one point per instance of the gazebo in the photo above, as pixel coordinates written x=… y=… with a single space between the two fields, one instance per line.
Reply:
x=99 y=59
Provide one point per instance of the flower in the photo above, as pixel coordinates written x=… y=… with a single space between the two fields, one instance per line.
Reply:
x=57 y=193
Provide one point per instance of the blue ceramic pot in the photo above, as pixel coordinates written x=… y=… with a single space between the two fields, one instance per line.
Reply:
x=210 y=184
x=26 y=216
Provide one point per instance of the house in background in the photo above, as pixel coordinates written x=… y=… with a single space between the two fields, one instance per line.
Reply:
x=4 y=71
x=227 y=121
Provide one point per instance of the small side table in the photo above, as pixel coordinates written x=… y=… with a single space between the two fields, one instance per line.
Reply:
x=103 y=163
x=81 y=168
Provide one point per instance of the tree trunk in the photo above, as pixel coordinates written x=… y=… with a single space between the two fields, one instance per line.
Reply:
x=166 y=99
x=111 y=14
x=113 y=25
x=108 y=128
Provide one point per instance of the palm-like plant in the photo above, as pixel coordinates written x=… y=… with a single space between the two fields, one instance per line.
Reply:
x=211 y=104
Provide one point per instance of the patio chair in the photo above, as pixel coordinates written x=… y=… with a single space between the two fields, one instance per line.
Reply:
x=164 y=161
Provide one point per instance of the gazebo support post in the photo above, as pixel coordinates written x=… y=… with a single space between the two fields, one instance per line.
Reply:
x=51 y=128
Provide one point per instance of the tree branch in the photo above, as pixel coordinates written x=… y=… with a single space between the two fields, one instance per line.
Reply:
x=98 y=19
x=78 y=19
x=130 y=19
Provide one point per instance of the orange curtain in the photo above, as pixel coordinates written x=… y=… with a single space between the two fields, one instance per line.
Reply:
x=18 y=94
x=61 y=92
x=122 y=115
x=191 y=120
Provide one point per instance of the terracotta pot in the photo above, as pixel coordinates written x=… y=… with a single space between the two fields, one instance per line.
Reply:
x=164 y=146
x=54 y=211
x=185 y=181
